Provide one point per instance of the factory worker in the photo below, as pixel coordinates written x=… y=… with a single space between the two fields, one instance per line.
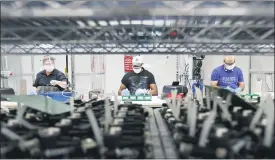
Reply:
x=228 y=76
x=138 y=81
x=50 y=76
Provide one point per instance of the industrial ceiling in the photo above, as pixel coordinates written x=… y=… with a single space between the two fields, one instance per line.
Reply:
x=137 y=27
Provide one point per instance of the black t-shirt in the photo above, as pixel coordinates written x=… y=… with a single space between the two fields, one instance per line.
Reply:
x=43 y=80
x=134 y=81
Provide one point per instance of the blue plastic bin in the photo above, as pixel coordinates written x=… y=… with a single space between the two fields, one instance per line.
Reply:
x=58 y=96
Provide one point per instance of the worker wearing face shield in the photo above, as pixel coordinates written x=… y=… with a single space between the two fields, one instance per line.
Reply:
x=228 y=76
x=139 y=81
x=50 y=76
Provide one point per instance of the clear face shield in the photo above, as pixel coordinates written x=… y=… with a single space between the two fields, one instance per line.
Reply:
x=48 y=64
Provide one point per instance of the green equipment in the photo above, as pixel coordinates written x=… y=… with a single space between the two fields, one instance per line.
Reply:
x=137 y=98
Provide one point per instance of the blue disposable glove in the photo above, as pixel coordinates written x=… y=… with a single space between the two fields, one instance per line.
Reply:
x=141 y=92
x=125 y=92
x=32 y=93
x=238 y=90
x=230 y=89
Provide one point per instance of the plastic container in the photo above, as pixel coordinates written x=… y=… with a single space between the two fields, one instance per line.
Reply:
x=58 y=96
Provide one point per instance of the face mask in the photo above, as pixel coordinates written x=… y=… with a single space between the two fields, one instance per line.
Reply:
x=48 y=68
x=229 y=67
x=137 y=70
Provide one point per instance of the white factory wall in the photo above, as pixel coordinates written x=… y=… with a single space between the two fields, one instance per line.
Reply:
x=265 y=63
x=114 y=72
x=23 y=69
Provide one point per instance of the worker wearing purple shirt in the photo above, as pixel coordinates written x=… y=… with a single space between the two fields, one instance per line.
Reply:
x=228 y=76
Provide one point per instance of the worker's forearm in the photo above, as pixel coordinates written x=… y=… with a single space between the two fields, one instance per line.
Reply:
x=62 y=84
x=153 y=92
x=242 y=86
x=214 y=85
x=119 y=92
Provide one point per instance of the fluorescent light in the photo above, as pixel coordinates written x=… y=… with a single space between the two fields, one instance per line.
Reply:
x=217 y=22
x=170 y=22
x=159 y=22
x=148 y=22
x=239 y=22
x=125 y=22
x=113 y=23
x=228 y=22
x=35 y=23
x=103 y=23
x=136 y=22
x=80 y=23
x=91 y=23
x=46 y=46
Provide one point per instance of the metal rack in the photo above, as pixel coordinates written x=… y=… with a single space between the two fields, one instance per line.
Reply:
x=137 y=27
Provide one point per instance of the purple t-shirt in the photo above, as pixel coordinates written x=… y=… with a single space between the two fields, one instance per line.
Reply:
x=226 y=78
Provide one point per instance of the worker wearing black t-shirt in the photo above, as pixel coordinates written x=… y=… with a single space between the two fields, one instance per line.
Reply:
x=138 y=80
x=50 y=76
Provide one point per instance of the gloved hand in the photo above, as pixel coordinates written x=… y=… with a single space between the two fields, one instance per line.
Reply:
x=230 y=89
x=125 y=92
x=32 y=93
x=238 y=90
x=53 y=82
x=141 y=92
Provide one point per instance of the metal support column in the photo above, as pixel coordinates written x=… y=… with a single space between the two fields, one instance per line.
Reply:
x=72 y=73
x=249 y=75
x=67 y=70
x=33 y=71
x=177 y=69
x=4 y=82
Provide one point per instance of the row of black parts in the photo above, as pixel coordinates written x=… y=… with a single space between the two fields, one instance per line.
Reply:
x=180 y=130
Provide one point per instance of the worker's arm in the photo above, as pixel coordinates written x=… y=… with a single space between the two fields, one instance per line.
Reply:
x=124 y=82
x=62 y=80
x=121 y=88
x=241 y=80
x=215 y=79
x=153 y=89
x=241 y=85
x=214 y=84
x=153 y=86
x=62 y=84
